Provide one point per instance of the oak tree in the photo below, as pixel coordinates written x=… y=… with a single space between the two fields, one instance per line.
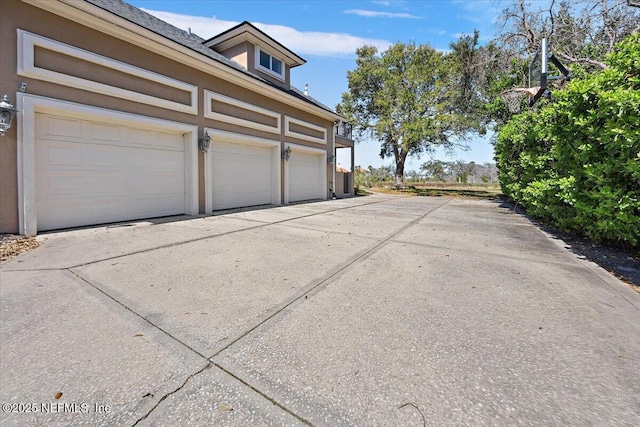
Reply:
x=410 y=98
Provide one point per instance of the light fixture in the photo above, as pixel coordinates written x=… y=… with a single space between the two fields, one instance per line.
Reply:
x=204 y=142
x=7 y=111
x=330 y=159
x=286 y=153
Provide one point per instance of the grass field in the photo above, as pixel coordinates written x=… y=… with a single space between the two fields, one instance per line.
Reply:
x=451 y=189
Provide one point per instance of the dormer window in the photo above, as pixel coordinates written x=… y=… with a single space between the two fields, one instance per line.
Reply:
x=257 y=52
x=269 y=64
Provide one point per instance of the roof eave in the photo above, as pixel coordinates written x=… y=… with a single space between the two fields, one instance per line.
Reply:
x=106 y=22
x=293 y=59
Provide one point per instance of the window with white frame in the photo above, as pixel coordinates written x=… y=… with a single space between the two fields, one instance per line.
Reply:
x=270 y=63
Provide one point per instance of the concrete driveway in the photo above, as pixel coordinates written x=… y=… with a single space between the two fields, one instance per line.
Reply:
x=370 y=311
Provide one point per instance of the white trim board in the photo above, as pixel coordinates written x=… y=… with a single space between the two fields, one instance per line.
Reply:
x=210 y=114
x=29 y=105
x=288 y=132
x=27 y=43
x=221 y=135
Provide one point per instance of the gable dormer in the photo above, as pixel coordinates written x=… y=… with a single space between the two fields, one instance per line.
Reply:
x=257 y=52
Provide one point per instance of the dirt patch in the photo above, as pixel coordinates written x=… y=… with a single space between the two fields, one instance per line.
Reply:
x=12 y=245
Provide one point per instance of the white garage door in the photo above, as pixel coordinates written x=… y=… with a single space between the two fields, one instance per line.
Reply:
x=90 y=172
x=306 y=176
x=242 y=175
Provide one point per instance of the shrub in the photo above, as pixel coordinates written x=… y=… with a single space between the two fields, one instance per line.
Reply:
x=575 y=162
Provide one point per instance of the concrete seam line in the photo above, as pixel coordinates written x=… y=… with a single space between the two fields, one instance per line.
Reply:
x=315 y=287
x=209 y=362
x=341 y=233
x=270 y=399
x=169 y=245
x=135 y=313
x=208 y=365
x=360 y=255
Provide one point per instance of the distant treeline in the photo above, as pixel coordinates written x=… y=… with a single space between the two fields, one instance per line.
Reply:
x=433 y=170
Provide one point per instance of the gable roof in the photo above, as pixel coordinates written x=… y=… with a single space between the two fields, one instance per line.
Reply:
x=190 y=41
x=247 y=31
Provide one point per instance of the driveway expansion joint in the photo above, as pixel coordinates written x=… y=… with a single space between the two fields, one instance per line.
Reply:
x=261 y=393
x=315 y=287
x=130 y=310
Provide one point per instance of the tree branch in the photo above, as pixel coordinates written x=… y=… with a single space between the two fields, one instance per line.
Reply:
x=590 y=61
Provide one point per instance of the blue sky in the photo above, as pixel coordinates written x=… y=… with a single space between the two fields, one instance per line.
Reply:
x=327 y=33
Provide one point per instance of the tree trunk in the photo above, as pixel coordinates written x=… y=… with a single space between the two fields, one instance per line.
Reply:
x=400 y=171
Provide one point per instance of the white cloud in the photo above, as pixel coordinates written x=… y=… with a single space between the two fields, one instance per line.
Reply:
x=438 y=32
x=376 y=14
x=382 y=2
x=301 y=42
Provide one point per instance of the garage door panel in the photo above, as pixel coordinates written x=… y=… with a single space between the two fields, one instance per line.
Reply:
x=102 y=210
x=140 y=183
x=165 y=160
x=58 y=128
x=57 y=153
x=58 y=185
x=142 y=206
x=96 y=184
x=139 y=136
x=101 y=157
x=242 y=175
x=168 y=141
x=306 y=176
x=137 y=159
x=170 y=203
x=53 y=215
x=168 y=183
x=83 y=182
x=100 y=133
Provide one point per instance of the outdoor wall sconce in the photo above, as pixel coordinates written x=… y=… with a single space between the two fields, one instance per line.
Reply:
x=286 y=153
x=204 y=142
x=7 y=111
x=330 y=159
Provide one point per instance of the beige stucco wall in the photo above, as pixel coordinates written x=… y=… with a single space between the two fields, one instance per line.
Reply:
x=18 y=15
x=339 y=184
x=238 y=53
x=340 y=193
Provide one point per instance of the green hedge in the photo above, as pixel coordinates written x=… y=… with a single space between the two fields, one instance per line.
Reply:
x=575 y=162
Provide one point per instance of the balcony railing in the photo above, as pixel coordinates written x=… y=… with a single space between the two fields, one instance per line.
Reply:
x=344 y=130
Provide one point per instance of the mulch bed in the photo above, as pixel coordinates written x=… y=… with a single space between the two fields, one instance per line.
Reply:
x=12 y=245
